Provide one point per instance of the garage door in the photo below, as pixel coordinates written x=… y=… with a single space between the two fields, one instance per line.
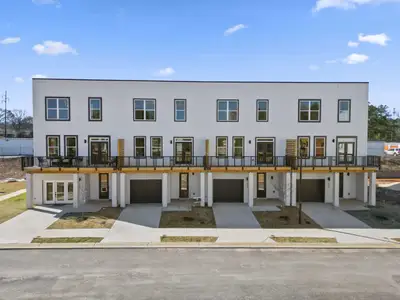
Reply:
x=146 y=191
x=311 y=190
x=228 y=190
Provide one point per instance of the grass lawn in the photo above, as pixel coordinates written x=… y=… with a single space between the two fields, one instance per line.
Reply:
x=41 y=240
x=188 y=239
x=396 y=239
x=12 y=207
x=198 y=217
x=309 y=240
x=103 y=218
x=288 y=217
x=9 y=187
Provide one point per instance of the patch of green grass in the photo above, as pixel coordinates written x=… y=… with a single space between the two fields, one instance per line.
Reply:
x=42 y=240
x=12 y=207
x=288 y=217
x=198 y=217
x=308 y=240
x=188 y=239
x=9 y=187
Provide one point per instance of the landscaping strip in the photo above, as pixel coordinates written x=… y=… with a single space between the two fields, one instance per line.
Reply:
x=42 y=240
x=198 y=217
x=293 y=239
x=188 y=239
x=10 y=187
x=288 y=217
x=12 y=207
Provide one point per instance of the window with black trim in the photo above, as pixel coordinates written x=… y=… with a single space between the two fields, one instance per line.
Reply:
x=344 y=110
x=320 y=146
x=71 y=145
x=180 y=110
x=303 y=146
x=57 y=109
x=156 y=146
x=262 y=110
x=222 y=146
x=53 y=145
x=238 y=146
x=309 y=110
x=140 y=146
x=227 y=110
x=95 y=109
x=144 y=109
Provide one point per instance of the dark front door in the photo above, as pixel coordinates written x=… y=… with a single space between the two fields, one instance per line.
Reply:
x=228 y=190
x=183 y=152
x=340 y=185
x=183 y=185
x=265 y=152
x=103 y=186
x=98 y=153
x=261 y=185
x=311 y=190
x=346 y=152
x=146 y=191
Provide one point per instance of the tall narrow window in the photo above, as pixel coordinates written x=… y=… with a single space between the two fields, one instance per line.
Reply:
x=95 y=109
x=238 y=146
x=309 y=110
x=71 y=145
x=344 y=110
x=140 y=146
x=53 y=145
x=57 y=109
x=320 y=146
x=227 y=110
x=144 y=109
x=156 y=146
x=180 y=110
x=262 y=110
x=303 y=146
x=222 y=146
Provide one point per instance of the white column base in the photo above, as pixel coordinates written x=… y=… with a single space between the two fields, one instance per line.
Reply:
x=202 y=189
x=75 y=183
x=114 y=189
x=335 y=197
x=165 y=189
x=372 y=189
x=122 y=200
x=29 y=190
x=251 y=189
x=209 y=190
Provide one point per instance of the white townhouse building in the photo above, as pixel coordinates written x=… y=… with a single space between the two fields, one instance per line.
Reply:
x=139 y=141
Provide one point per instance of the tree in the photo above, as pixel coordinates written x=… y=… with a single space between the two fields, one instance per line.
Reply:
x=3 y=115
x=382 y=124
x=20 y=120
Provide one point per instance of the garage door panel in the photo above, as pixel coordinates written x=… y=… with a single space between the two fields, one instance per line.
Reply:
x=311 y=190
x=228 y=190
x=145 y=191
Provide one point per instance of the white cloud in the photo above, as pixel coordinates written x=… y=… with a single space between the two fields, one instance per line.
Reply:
x=235 y=28
x=39 y=76
x=313 y=67
x=53 y=48
x=346 y=4
x=19 y=80
x=165 y=72
x=10 y=40
x=356 y=58
x=353 y=44
x=378 y=39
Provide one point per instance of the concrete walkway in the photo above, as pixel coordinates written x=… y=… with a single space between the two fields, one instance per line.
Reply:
x=13 y=194
x=234 y=215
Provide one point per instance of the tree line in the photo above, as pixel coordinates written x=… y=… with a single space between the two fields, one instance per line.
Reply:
x=18 y=121
x=383 y=124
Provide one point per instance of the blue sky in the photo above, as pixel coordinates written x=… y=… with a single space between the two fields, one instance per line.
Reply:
x=275 y=40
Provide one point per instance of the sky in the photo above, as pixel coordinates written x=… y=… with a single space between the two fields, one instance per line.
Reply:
x=252 y=40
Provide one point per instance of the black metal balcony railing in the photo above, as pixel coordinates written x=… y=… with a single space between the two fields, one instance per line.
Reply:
x=247 y=161
x=69 y=162
x=164 y=161
x=339 y=161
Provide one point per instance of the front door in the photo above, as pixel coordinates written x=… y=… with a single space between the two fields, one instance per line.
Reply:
x=265 y=150
x=99 y=151
x=183 y=185
x=103 y=186
x=261 y=186
x=58 y=192
x=183 y=150
x=346 y=152
x=340 y=185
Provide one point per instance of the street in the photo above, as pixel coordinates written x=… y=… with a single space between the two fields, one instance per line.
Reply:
x=199 y=274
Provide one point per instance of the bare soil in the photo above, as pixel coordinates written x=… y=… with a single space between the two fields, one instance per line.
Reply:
x=10 y=168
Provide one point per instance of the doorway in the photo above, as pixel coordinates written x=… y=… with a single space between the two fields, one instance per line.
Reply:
x=99 y=149
x=340 y=185
x=58 y=192
x=183 y=185
x=103 y=186
x=261 y=185
x=183 y=150
x=345 y=152
x=265 y=150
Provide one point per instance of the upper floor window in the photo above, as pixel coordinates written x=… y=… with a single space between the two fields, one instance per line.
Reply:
x=71 y=145
x=344 y=110
x=320 y=146
x=156 y=146
x=227 y=110
x=222 y=146
x=53 y=145
x=238 y=146
x=144 y=109
x=57 y=109
x=95 y=109
x=140 y=146
x=303 y=146
x=180 y=110
x=262 y=110
x=309 y=110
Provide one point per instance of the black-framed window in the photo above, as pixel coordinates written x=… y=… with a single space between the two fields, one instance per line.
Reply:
x=344 y=110
x=238 y=146
x=53 y=145
x=309 y=110
x=262 y=110
x=144 y=109
x=57 y=108
x=180 y=110
x=228 y=110
x=140 y=146
x=71 y=145
x=222 y=146
x=303 y=146
x=320 y=146
x=95 y=109
x=156 y=146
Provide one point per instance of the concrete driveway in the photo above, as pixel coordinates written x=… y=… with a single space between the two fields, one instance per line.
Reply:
x=234 y=215
x=328 y=216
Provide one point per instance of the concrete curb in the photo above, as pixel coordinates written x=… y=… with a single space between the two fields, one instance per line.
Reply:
x=197 y=245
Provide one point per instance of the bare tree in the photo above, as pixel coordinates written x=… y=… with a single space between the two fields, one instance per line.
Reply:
x=3 y=116
x=20 y=120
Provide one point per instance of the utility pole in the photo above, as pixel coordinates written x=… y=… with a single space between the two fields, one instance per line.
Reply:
x=5 y=113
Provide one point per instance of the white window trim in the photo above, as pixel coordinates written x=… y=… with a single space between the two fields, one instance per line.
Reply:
x=236 y=147
x=54 y=182
x=348 y=111
x=95 y=109
x=58 y=147
x=145 y=109
x=57 y=109
x=224 y=148
x=263 y=110
x=178 y=110
x=309 y=110
x=140 y=147
x=160 y=148
x=227 y=111
x=71 y=147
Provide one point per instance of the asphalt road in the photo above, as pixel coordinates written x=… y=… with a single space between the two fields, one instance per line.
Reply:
x=199 y=274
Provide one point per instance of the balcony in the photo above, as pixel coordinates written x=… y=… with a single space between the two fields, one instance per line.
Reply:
x=335 y=161
x=69 y=162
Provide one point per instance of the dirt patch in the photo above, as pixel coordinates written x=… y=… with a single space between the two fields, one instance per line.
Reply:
x=288 y=217
x=42 y=240
x=11 y=168
x=188 y=239
x=12 y=207
x=9 y=187
x=198 y=217
x=309 y=240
